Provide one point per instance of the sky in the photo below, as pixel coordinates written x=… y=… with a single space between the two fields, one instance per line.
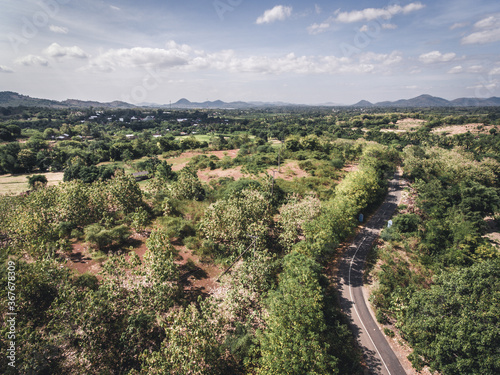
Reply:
x=159 y=51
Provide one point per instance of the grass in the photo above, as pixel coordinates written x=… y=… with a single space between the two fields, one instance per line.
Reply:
x=199 y=137
x=16 y=184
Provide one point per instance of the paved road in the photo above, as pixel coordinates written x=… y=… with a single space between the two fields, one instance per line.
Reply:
x=378 y=354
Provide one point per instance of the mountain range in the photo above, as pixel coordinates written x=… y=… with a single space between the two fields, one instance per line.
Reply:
x=13 y=99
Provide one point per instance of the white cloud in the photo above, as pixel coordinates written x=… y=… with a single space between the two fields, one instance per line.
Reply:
x=364 y=29
x=495 y=71
x=55 y=50
x=5 y=69
x=184 y=58
x=436 y=56
x=455 y=70
x=369 y=14
x=458 y=25
x=489 y=31
x=278 y=13
x=32 y=60
x=58 y=29
x=114 y=7
x=389 y=26
x=385 y=59
x=158 y=58
x=488 y=22
x=482 y=37
x=318 y=28
x=475 y=69
x=317 y=8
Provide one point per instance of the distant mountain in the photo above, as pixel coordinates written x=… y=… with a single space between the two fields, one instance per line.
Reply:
x=13 y=99
x=472 y=102
x=432 y=101
x=363 y=104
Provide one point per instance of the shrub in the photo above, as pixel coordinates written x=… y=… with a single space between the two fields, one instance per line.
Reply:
x=100 y=237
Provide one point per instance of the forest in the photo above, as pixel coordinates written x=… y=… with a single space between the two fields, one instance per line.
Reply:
x=118 y=225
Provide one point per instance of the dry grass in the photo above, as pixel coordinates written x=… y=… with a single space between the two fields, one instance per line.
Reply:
x=16 y=184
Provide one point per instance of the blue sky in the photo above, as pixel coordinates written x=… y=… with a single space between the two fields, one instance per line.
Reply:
x=292 y=51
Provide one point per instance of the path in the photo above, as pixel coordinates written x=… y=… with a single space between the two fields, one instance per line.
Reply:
x=378 y=355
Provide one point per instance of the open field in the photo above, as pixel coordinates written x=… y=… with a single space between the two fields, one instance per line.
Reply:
x=16 y=184
x=462 y=129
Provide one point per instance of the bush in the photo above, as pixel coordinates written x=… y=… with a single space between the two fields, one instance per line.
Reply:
x=389 y=332
x=100 y=237
x=381 y=317
x=177 y=227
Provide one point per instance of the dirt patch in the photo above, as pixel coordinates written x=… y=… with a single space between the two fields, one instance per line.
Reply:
x=179 y=162
x=288 y=171
x=195 y=275
x=493 y=234
x=462 y=129
x=207 y=174
x=409 y=124
x=80 y=259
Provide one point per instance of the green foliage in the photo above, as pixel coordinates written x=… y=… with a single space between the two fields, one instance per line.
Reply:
x=100 y=237
x=294 y=340
x=37 y=180
x=233 y=219
x=191 y=345
x=454 y=325
x=293 y=216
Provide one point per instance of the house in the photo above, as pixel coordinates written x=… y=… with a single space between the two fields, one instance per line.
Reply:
x=130 y=136
x=139 y=176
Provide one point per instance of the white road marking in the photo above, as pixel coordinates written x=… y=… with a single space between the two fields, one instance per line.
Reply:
x=356 y=310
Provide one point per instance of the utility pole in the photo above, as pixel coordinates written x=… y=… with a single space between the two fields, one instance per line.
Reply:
x=272 y=186
x=237 y=259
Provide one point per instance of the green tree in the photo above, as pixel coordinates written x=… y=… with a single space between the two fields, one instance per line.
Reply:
x=454 y=325
x=294 y=340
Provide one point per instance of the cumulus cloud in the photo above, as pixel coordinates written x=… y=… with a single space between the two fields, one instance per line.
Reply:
x=482 y=37
x=184 y=58
x=55 y=50
x=58 y=29
x=456 y=69
x=278 y=13
x=172 y=56
x=488 y=31
x=318 y=28
x=436 y=56
x=32 y=60
x=5 y=69
x=369 y=14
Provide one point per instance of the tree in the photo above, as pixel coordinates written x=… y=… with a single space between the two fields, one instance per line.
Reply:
x=36 y=181
x=455 y=324
x=294 y=340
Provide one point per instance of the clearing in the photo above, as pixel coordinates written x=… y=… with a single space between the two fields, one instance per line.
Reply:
x=16 y=184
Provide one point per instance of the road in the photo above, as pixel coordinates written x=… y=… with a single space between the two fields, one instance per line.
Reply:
x=378 y=355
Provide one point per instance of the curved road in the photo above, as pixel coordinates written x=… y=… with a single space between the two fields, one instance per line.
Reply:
x=377 y=353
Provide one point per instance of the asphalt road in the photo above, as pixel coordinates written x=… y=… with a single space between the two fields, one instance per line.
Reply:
x=379 y=357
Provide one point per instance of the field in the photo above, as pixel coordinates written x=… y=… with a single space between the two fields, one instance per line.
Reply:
x=16 y=184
